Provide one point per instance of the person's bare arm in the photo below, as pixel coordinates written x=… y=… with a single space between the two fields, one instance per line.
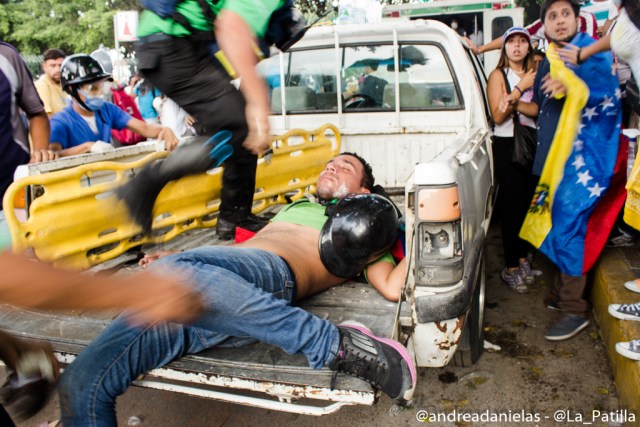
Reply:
x=56 y=147
x=35 y=284
x=569 y=53
x=388 y=279
x=494 y=44
x=497 y=94
x=40 y=130
x=237 y=41
x=151 y=130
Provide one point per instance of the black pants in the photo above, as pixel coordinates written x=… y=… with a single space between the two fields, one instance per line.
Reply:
x=516 y=190
x=185 y=72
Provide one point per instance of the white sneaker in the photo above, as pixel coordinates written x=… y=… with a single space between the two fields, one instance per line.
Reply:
x=625 y=311
x=629 y=349
x=633 y=285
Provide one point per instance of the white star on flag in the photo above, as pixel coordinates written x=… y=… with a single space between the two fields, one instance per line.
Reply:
x=618 y=93
x=580 y=127
x=578 y=144
x=584 y=178
x=578 y=162
x=589 y=113
x=596 y=190
x=607 y=103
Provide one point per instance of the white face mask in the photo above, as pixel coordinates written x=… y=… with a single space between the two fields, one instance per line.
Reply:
x=454 y=25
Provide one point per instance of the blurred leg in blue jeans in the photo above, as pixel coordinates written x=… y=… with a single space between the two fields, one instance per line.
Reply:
x=247 y=292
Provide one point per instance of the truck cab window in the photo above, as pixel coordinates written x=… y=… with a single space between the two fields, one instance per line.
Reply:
x=309 y=81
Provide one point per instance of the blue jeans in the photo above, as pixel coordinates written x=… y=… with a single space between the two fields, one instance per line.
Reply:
x=247 y=293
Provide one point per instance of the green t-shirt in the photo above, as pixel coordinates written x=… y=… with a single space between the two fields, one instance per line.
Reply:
x=256 y=14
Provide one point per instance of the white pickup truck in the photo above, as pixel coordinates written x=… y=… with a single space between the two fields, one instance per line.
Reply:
x=407 y=96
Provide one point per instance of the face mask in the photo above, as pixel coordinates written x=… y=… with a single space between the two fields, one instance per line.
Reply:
x=93 y=102
x=454 y=25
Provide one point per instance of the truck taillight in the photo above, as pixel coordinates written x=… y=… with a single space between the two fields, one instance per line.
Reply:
x=438 y=236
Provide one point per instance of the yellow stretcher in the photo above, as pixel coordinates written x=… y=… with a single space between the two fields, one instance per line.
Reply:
x=78 y=222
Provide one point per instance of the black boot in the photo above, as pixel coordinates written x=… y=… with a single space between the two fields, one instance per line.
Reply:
x=140 y=193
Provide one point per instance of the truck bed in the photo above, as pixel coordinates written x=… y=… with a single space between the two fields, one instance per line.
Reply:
x=253 y=368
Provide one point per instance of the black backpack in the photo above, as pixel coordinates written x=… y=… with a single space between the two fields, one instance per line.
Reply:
x=286 y=24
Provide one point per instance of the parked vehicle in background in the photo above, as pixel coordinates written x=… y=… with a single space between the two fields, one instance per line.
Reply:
x=490 y=19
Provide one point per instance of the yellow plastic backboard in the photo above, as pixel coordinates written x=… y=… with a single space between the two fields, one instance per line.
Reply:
x=78 y=222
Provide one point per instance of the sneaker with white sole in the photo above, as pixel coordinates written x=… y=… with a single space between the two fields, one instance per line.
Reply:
x=529 y=274
x=568 y=326
x=514 y=281
x=621 y=240
x=625 y=311
x=630 y=349
x=633 y=285
x=383 y=363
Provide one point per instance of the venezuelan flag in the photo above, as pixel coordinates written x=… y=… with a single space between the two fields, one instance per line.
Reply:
x=580 y=192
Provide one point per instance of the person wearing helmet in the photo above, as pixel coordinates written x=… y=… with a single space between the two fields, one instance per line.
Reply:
x=85 y=125
x=251 y=290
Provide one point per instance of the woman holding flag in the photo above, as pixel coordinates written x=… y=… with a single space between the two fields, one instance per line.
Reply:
x=509 y=84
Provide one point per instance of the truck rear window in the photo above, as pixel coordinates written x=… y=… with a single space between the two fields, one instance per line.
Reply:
x=361 y=78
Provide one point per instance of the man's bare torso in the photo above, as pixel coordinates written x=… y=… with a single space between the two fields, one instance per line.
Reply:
x=298 y=245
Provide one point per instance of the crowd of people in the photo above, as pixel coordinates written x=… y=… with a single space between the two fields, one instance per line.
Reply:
x=68 y=114
x=527 y=98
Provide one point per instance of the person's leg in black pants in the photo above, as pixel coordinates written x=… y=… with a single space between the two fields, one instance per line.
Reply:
x=515 y=193
x=183 y=70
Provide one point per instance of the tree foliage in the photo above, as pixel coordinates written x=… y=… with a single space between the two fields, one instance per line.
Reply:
x=75 y=26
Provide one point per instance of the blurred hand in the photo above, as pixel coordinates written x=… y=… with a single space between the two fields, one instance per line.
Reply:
x=149 y=259
x=258 y=122
x=568 y=53
x=43 y=155
x=507 y=102
x=190 y=120
x=526 y=82
x=169 y=138
x=101 y=147
x=164 y=298
x=552 y=87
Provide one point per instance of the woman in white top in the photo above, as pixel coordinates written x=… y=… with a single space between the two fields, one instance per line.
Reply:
x=516 y=183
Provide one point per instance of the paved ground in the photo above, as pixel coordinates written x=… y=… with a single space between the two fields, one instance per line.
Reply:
x=528 y=377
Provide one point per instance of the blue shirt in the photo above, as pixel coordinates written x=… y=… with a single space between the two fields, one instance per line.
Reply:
x=69 y=129
x=145 y=102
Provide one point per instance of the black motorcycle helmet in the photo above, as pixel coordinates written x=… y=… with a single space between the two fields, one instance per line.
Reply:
x=78 y=70
x=361 y=229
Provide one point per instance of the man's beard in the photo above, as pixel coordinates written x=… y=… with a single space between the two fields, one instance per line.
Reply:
x=337 y=193
x=565 y=40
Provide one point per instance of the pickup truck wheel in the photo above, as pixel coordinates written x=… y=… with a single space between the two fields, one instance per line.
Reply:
x=471 y=343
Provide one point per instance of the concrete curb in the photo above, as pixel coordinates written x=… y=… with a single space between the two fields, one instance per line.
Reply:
x=610 y=274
